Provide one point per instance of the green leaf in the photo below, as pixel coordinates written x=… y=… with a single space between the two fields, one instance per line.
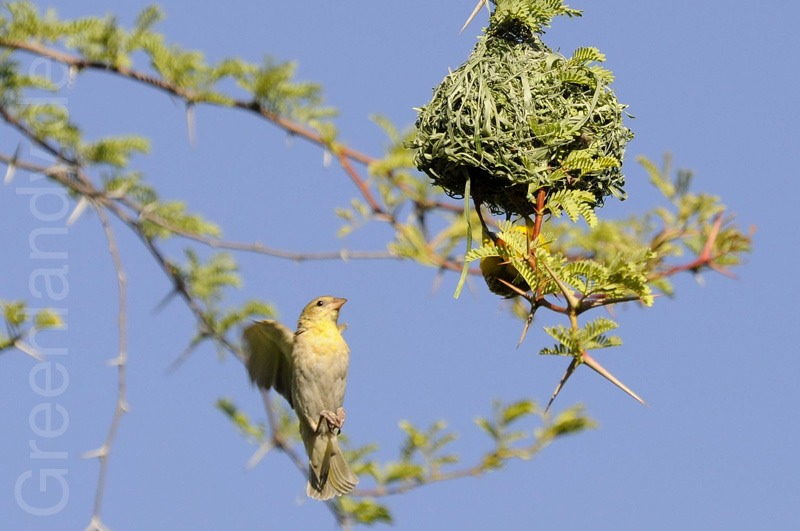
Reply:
x=365 y=511
x=48 y=319
x=240 y=420
x=517 y=410
x=569 y=422
x=404 y=471
x=15 y=313
x=115 y=151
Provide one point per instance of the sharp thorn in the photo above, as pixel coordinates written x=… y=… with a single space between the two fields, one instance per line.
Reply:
x=573 y=364
x=474 y=13
x=591 y=362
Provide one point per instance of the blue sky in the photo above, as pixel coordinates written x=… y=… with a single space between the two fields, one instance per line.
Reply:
x=713 y=84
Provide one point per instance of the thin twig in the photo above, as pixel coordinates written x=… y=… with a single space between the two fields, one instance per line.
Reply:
x=120 y=362
x=472 y=471
x=58 y=173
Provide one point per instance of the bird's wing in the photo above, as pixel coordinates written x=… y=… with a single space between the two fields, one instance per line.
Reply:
x=270 y=361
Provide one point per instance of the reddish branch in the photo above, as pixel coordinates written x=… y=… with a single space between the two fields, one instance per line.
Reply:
x=706 y=257
x=79 y=63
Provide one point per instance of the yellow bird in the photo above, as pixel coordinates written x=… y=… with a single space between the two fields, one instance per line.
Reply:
x=495 y=268
x=309 y=369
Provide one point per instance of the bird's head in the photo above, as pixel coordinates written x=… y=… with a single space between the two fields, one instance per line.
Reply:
x=324 y=309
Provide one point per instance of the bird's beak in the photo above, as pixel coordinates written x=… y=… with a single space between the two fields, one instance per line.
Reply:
x=337 y=303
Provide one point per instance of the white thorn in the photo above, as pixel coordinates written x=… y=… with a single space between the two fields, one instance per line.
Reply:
x=259 y=454
x=97 y=452
x=12 y=166
x=79 y=209
x=478 y=7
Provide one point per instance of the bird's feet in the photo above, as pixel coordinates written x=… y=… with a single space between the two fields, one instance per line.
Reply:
x=335 y=420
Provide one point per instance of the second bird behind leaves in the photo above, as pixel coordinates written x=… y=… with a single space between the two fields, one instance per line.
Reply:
x=309 y=369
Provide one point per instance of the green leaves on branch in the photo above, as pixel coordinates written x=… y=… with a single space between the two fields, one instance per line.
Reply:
x=356 y=215
x=103 y=43
x=575 y=341
x=251 y=432
x=514 y=443
x=428 y=446
x=575 y=203
x=159 y=220
x=424 y=457
x=271 y=85
x=207 y=282
x=364 y=511
x=20 y=323
x=535 y=14
x=692 y=222
x=624 y=276
x=114 y=151
x=208 y=279
x=658 y=242
x=48 y=122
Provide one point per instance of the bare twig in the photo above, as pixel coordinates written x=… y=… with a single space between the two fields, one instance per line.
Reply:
x=120 y=362
x=59 y=174
x=706 y=257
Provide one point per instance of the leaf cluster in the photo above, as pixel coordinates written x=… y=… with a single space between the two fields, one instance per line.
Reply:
x=205 y=281
x=104 y=42
x=595 y=282
x=575 y=341
x=424 y=455
x=21 y=323
x=536 y=15
x=684 y=226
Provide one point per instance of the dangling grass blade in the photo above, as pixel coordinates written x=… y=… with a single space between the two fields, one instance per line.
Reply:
x=465 y=269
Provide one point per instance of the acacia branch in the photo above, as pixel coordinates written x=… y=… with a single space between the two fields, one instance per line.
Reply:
x=63 y=177
x=476 y=470
x=705 y=258
x=192 y=97
x=345 y=154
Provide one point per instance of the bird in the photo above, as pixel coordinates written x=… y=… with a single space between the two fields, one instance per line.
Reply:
x=495 y=268
x=309 y=369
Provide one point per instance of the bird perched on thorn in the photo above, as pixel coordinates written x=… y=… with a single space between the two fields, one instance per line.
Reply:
x=309 y=369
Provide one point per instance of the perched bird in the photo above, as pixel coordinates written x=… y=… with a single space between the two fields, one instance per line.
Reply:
x=494 y=268
x=309 y=369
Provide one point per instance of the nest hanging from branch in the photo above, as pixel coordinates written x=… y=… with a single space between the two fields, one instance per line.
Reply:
x=517 y=117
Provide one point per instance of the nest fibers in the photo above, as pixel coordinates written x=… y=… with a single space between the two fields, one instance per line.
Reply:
x=517 y=118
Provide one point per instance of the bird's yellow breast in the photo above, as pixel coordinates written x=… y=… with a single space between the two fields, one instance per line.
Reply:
x=324 y=339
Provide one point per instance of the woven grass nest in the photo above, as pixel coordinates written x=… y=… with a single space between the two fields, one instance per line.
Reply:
x=517 y=117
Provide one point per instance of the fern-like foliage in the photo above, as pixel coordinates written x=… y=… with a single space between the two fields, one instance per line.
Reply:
x=574 y=341
x=574 y=203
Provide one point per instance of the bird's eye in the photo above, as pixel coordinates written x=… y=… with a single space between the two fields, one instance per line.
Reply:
x=320 y=302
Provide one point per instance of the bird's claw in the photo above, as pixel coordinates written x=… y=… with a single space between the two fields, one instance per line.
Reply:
x=335 y=420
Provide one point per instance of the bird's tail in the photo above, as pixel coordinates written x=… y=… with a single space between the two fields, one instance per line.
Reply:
x=328 y=472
